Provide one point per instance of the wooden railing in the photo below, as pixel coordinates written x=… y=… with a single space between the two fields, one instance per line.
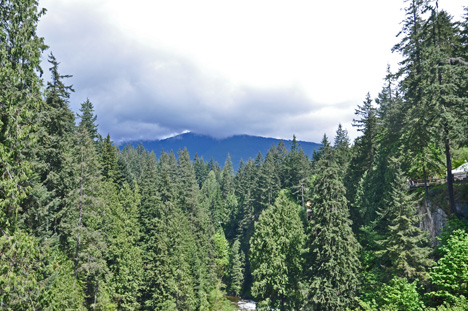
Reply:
x=419 y=183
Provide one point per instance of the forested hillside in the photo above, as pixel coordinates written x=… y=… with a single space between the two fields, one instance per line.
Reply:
x=239 y=147
x=85 y=226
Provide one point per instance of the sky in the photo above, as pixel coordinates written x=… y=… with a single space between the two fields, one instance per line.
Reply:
x=273 y=68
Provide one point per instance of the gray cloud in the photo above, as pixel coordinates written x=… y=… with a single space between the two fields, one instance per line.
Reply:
x=142 y=92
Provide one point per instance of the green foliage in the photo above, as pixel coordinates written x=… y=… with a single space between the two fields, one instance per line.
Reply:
x=333 y=262
x=397 y=295
x=86 y=226
x=236 y=269
x=222 y=252
x=217 y=301
x=124 y=256
x=404 y=245
x=109 y=165
x=453 y=224
x=450 y=275
x=34 y=277
x=276 y=255
x=20 y=52
x=52 y=157
x=460 y=304
x=88 y=119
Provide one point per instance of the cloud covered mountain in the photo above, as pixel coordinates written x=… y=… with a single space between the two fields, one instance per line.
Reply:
x=239 y=147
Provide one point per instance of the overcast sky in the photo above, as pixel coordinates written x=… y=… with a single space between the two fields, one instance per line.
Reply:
x=271 y=68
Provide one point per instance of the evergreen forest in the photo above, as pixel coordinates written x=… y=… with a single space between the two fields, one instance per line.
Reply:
x=88 y=226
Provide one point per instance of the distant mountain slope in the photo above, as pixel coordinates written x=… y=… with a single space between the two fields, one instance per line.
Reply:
x=239 y=146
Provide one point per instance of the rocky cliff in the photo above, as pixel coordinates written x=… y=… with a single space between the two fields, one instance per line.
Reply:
x=435 y=211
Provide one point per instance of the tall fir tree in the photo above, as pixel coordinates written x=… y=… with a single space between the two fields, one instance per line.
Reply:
x=83 y=221
x=20 y=98
x=56 y=126
x=404 y=247
x=269 y=179
x=236 y=269
x=362 y=154
x=447 y=103
x=342 y=148
x=276 y=256
x=333 y=262
x=88 y=119
x=109 y=164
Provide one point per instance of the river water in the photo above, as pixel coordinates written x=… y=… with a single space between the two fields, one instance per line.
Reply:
x=242 y=304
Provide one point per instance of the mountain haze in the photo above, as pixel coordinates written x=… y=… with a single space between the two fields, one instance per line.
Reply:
x=239 y=147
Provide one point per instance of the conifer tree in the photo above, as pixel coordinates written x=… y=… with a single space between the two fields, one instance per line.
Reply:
x=404 y=243
x=446 y=101
x=281 y=156
x=55 y=129
x=230 y=202
x=333 y=263
x=298 y=171
x=212 y=200
x=236 y=269
x=88 y=118
x=276 y=256
x=109 y=165
x=123 y=255
x=83 y=220
x=227 y=178
x=342 y=148
x=363 y=153
x=201 y=170
x=36 y=277
x=416 y=135
x=450 y=275
x=246 y=180
x=20 y=52
x=167 y=177
x=269 y=180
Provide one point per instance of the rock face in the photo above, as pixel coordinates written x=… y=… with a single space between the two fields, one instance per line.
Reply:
x=434 y=218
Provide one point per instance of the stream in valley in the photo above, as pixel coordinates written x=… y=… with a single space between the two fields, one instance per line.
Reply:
x=243 y=304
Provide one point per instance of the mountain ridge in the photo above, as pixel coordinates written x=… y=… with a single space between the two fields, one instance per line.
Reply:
x=239 y=147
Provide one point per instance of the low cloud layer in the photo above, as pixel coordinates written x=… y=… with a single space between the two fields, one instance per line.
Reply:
x=145 y=92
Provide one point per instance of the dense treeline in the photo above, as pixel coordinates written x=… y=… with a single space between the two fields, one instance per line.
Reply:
x=86 y=226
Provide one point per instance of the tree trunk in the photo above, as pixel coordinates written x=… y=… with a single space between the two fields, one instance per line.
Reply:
x=78 y=238
x=451 y=195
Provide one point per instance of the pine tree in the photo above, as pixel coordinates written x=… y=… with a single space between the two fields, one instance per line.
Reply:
x=446 y=101
x=298 y=171
x=20 y=52
x=281 y=156
x=365 y=144
x=88 y=118
x=236 y=269
x=35 y=276
x=342 y=148
x=276 y=256
x=269 y=180
x=56 y=125
x=167 y=177
x=362 y=155
x=83 y=220
x=109 y=165
x=416 y=135
x=227 y=178
x=450 y=275
x=333 y=262
x=212 y=200
x=123 y=255
x=246 y=181
x=403 y=244
x=201 y=170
